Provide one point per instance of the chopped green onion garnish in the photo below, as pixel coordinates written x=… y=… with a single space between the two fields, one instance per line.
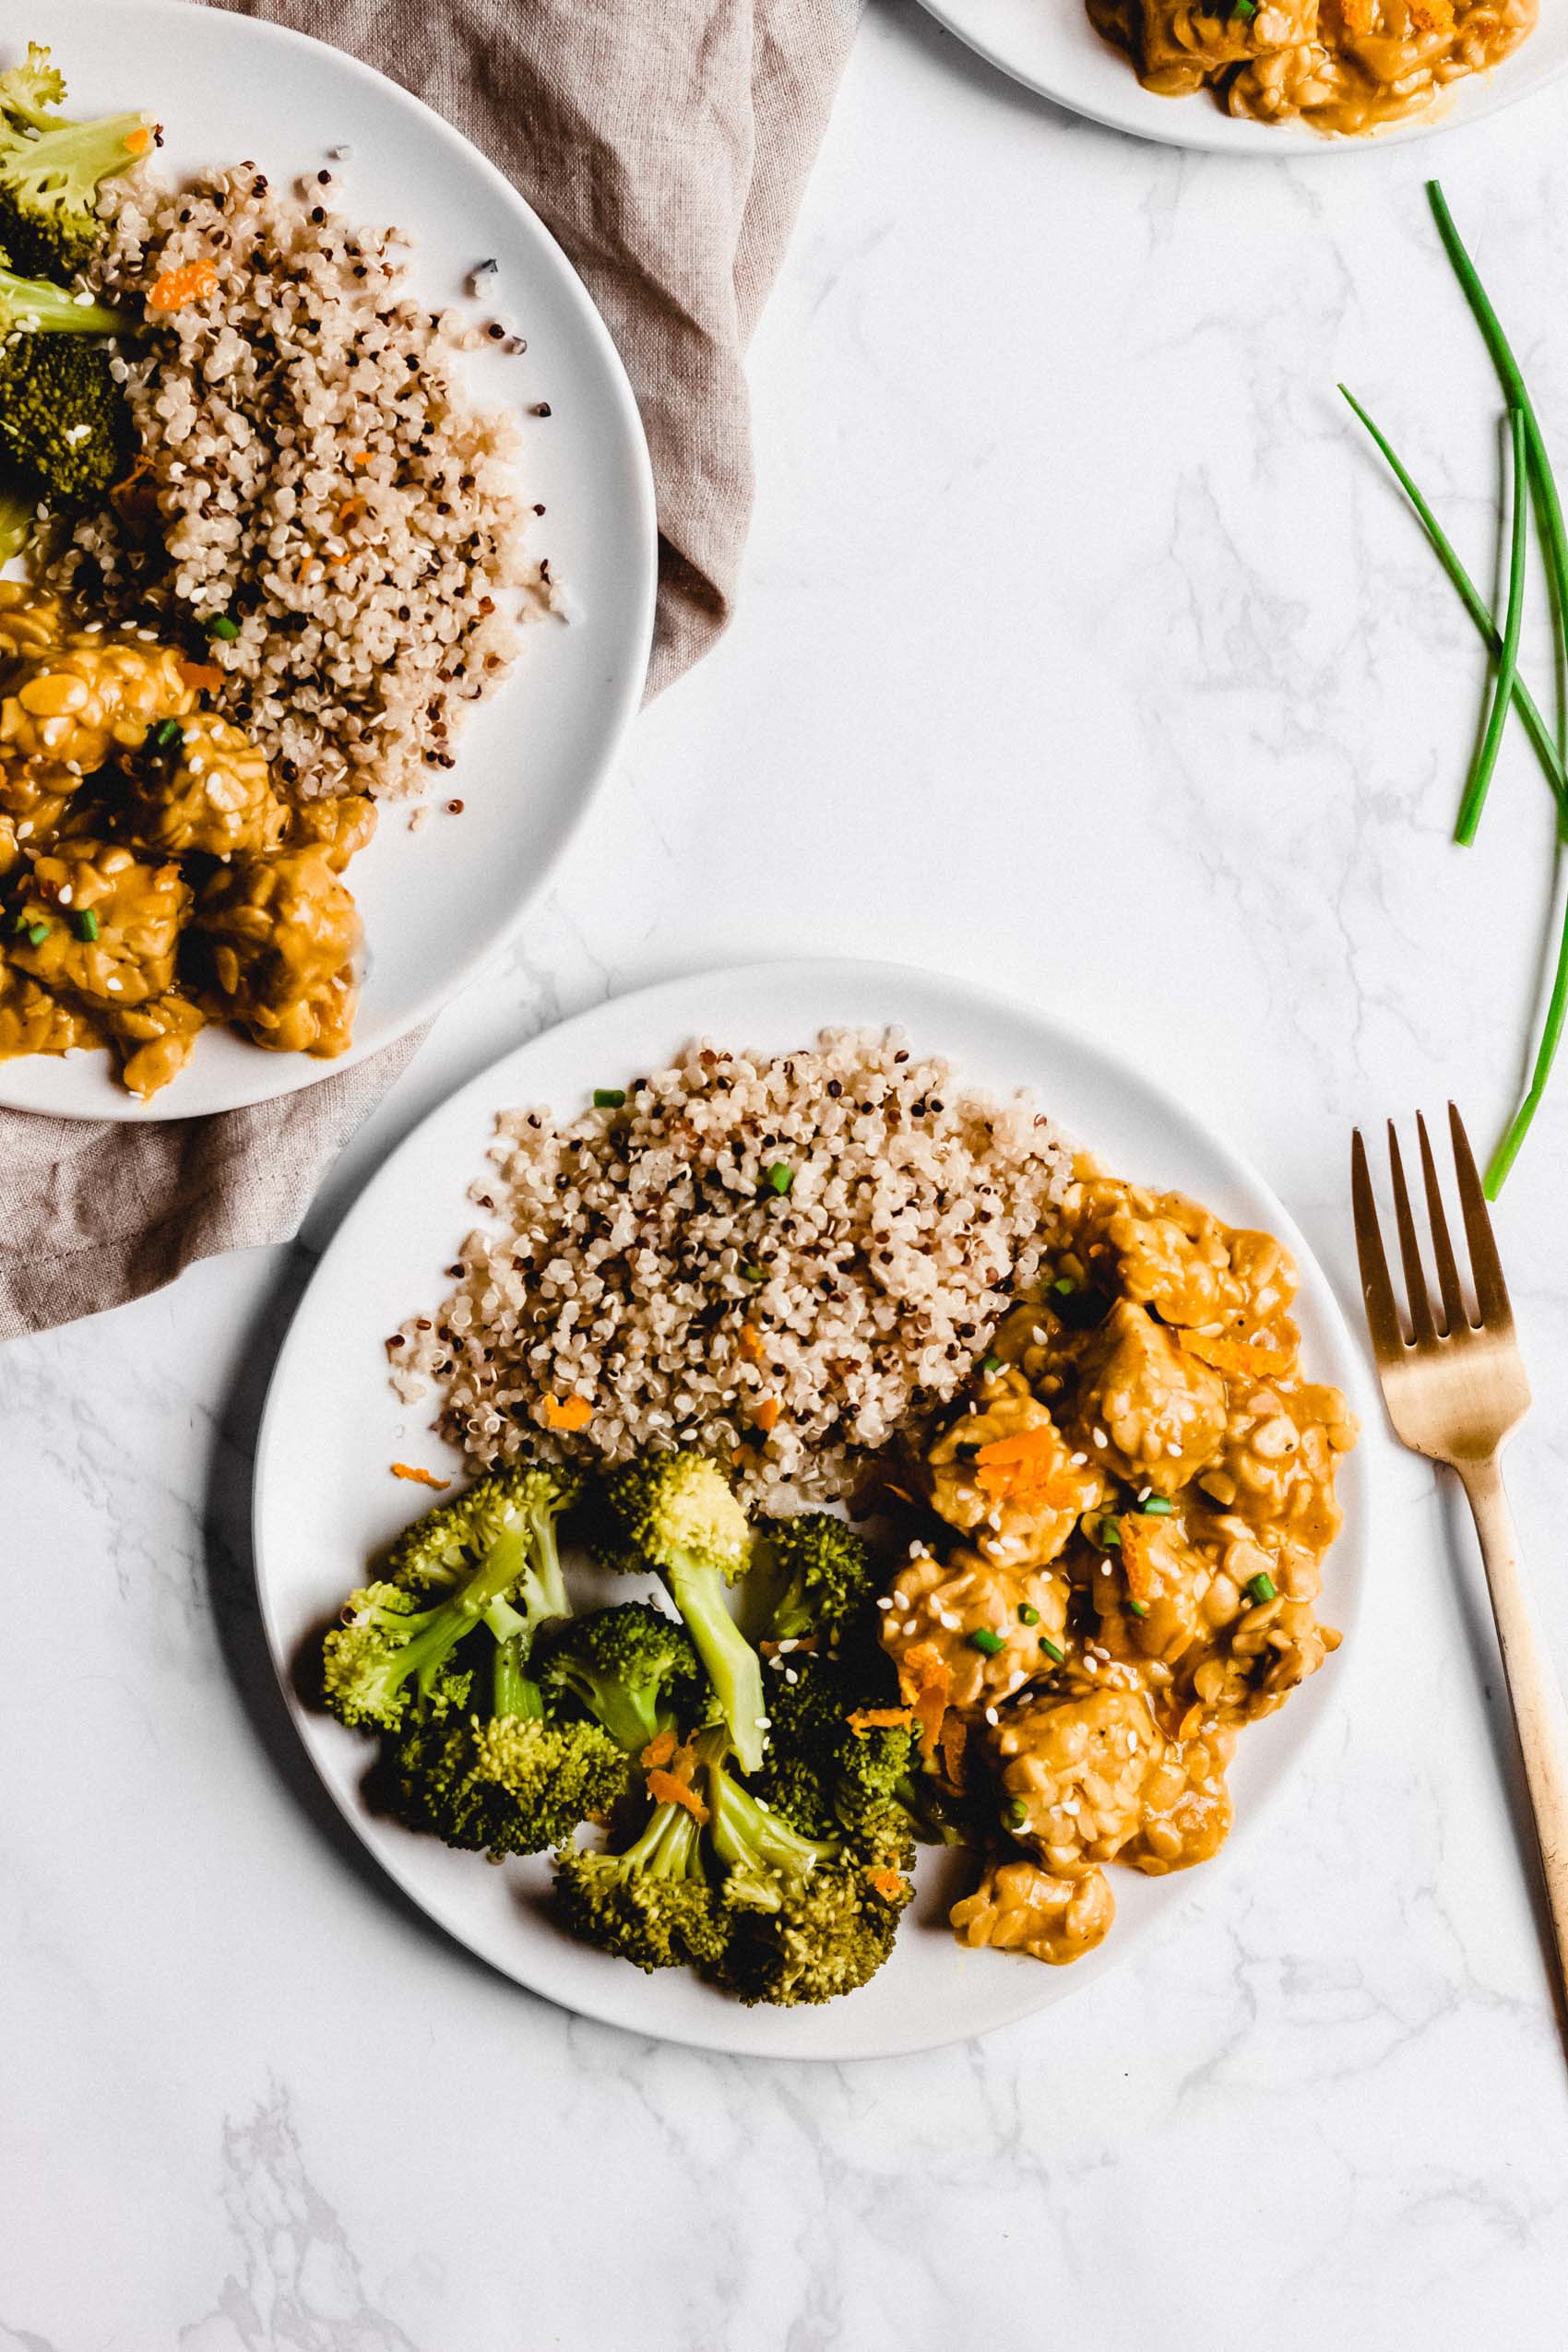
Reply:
x=87 y=924
x=754 y=1273
x=609 y=1097
x=1263 y=1587
x=779 y=1178
x=1065 y=1284
x=991 y=1366
x=1015 y=1812
x=1052 y=1651
x=1109 y=1531
x=37 y=934
x=1137 y=1608
x=167 y=733
x=1157 y=1506
x=987 y=1642
x=223 y=627
x=1028 y=1613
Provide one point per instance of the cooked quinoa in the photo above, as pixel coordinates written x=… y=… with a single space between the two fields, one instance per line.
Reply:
x=311 y=469
x=781 y=1257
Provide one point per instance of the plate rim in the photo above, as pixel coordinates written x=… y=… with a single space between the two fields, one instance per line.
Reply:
x=622 y=702
x=1354 y=1549
x=1223 y=134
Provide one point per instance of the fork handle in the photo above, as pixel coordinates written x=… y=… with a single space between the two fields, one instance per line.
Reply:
x=1538 y=1712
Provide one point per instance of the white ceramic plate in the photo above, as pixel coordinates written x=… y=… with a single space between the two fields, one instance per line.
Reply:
x=1050 y=45
x=439 y=903
x=330 y=1402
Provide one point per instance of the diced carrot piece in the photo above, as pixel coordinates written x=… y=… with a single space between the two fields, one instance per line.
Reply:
x=751 y=1344
x=572 y=1413
x=420 y=1478
x=767 y=1414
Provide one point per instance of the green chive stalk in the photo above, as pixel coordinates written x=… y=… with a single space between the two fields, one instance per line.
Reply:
x=1480 y=784
x=1543 y=483
x=1474 y=604
x=1507 y=1151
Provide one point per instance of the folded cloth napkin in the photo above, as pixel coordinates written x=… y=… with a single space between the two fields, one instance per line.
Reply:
x=665 y=144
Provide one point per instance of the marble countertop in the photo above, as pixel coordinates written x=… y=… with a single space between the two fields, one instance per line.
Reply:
x=1084 y=648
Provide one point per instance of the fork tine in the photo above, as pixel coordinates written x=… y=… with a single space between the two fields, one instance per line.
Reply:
x=1486 y=1268
x=1377 y=1289
x=1423 y=1329
x=1456 y=1315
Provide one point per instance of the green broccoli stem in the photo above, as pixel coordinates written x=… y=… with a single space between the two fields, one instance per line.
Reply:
x=670 y=1846
x=36 y=306
x=766 y=1859
x=512 y=1691
x=630 y=1717
x=731 y=1665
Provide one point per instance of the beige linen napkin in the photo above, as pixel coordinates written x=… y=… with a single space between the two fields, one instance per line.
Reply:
x=664 y=143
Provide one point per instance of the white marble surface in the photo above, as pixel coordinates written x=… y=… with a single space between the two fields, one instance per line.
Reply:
x=1082 y=646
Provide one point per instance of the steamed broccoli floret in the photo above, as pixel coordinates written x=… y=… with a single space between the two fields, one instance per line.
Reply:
x=64 y=423
x=833 y=1773
x=655 y=1905
x=823 y=1571
x=828 y=1937
x=675 y=1512
x=810 y=1918
x=509 y=1781
x=490 y=1557
x=50 y=168
x=634 y=1669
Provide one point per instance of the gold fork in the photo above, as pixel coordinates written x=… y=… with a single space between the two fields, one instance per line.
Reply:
x=1457 y=1394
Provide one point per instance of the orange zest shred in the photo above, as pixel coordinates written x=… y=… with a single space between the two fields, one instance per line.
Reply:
x=360 y=458
x=665 y=1789
x=767 y=1416
x=1236 y=1355
x=572 y=1413
x=955 y=1741
x=192 y=282
x=658 y=1751
x=202 y=677
x=1028 y=1468
x=885 y=1883
x=866 y=1719
x=140 y=141
x=926 y=1681
x=141 y=464
x=419 y=1478
x=751 y=1344
x=1137 y=1559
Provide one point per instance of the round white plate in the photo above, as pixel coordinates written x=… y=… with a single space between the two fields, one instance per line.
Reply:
x=1050 y=45
x=437 y=903
x=330 y=1402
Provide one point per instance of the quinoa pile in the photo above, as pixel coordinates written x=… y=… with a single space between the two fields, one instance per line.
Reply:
x=311 y=475
x=779 y=1258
